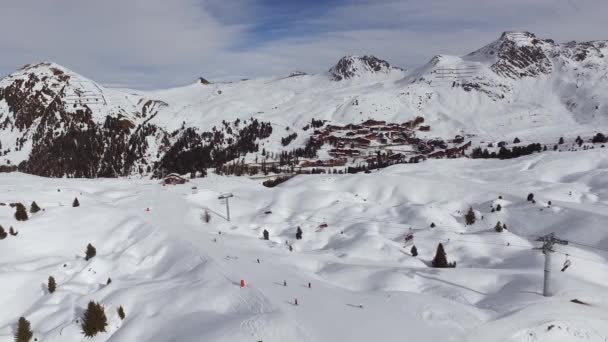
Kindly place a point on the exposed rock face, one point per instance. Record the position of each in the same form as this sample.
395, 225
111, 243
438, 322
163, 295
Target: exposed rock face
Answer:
518, 54
65, 128
354, 66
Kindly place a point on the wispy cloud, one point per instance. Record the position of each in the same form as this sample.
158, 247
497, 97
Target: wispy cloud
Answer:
155, 43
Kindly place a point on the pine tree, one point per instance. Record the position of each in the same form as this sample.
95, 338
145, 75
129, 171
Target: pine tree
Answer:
34, 208
414, 251
516, 140
432, 224
90, 252
109, 281
299, 234
266, 235
24, 331
470, 217
76, 203
13, 232
121, 313
498, 207
21, 213
3, 234
530, 197
94, 320
498, 227
440, 260
561, 140
52, 286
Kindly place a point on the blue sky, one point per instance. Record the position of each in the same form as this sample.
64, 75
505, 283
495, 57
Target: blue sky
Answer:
160, 43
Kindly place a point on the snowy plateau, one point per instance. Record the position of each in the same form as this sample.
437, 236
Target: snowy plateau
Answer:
373, 160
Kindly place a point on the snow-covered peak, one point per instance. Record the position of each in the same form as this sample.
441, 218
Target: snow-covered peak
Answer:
515, 55
356, 66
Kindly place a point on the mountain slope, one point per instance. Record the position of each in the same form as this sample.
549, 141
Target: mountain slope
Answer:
54, 122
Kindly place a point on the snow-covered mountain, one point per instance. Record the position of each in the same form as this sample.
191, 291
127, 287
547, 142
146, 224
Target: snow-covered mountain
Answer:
55, 122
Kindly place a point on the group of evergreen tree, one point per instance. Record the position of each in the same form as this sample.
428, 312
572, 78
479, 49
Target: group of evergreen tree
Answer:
196, 152
299, 234
505, 153
440, 260
11, 231
287, 140
599, 139
499, 227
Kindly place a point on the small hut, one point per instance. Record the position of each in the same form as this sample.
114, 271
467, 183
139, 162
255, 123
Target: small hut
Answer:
173, 179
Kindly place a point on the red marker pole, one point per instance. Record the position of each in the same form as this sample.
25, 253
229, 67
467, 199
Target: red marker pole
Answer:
242, 283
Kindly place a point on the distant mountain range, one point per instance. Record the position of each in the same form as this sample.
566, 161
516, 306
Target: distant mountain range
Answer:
55, 122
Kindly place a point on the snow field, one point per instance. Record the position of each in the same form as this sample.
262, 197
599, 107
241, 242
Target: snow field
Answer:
178, 278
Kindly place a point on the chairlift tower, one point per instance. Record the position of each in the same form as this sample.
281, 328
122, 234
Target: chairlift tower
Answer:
226, 197
548, 241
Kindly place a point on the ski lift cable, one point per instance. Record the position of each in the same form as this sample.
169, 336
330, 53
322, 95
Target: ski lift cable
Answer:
582, 258
586, 245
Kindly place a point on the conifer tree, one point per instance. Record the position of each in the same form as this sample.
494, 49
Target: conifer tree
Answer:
440, 260
561, 140
299, 234
94, 320
414, 251
498, 227
498, 207
52, 286
24, 331
3, 234
90, 252
76, 203
34, 208
121, 313
21, 213
530, 197
266, 235
432, 224
109, 281
470, 217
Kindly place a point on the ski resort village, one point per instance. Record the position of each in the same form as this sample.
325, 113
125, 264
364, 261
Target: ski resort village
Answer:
460, 199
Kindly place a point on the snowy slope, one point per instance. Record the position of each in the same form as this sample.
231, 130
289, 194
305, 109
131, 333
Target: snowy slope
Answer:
178, 277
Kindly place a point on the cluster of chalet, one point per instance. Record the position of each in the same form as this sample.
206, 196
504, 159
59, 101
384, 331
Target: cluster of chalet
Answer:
354, 140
